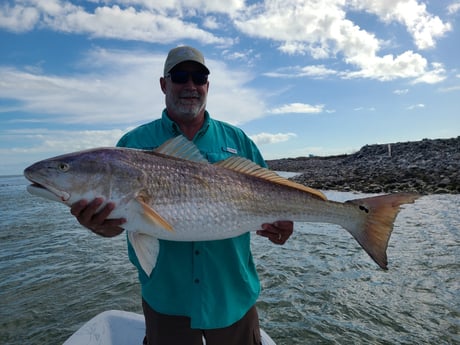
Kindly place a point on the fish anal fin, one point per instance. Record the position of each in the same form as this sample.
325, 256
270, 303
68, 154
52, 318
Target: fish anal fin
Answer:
153, 216
181, 147
245, 166
380, 213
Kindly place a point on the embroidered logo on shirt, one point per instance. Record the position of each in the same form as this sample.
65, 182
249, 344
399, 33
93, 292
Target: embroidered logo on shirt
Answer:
231, 150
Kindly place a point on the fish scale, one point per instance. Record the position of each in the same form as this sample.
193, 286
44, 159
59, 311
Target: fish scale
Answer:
173, 193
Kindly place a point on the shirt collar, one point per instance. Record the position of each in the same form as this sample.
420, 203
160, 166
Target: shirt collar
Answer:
174, 130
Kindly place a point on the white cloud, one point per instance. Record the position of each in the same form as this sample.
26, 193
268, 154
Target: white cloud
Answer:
407, 65
315, 24
433, 76
314, 71
18, 18
122, 88
187, 7
364, 109
424, 27
322, 30
229, 98
450, 88
210, 23
401, 92
248, 57
48, 141
131, 24
126, 94
416, 106
41, 143
299, 108
317, 71
453, 8
117, 22
269, 138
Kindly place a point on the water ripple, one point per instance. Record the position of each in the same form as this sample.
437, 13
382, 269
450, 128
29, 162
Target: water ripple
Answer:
319, 288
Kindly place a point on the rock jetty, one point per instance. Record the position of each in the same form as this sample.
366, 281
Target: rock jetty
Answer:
428, 166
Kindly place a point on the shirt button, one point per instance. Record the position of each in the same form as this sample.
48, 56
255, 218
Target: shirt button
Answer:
197, 281
197, 252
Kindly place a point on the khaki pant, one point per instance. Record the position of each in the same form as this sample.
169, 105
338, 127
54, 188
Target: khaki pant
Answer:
175, 330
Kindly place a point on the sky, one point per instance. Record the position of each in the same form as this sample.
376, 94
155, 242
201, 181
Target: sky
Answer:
299, 77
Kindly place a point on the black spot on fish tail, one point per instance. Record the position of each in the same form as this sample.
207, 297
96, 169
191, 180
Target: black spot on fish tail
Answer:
364, 208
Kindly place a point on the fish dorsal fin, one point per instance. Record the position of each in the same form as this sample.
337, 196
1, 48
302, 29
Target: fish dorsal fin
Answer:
245, 166
181, 147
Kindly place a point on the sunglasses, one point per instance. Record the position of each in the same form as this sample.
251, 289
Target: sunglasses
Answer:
182, 77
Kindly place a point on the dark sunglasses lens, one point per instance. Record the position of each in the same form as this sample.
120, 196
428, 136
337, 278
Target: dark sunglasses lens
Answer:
199, 78
181, 77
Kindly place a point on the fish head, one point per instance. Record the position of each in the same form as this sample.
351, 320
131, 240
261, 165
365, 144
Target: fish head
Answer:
101, 172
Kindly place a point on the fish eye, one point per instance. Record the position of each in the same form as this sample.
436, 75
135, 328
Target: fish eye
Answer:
63, 167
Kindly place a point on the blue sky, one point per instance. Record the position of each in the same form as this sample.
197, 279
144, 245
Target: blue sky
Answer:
299, 77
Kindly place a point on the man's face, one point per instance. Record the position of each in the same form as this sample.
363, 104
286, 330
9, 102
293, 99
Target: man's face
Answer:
185, 93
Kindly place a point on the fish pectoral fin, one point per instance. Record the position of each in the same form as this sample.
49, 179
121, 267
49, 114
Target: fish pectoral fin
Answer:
146, 248
245, 166
153, 216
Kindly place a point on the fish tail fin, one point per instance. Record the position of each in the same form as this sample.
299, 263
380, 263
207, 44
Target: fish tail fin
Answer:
374, 233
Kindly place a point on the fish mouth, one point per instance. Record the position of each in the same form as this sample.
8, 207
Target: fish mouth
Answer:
48, 192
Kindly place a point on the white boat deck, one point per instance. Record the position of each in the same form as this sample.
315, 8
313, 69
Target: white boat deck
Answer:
117, 327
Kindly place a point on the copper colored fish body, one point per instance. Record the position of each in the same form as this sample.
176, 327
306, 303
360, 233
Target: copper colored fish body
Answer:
173, 193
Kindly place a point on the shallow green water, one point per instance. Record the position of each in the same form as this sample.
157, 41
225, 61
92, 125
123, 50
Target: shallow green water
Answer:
320, 288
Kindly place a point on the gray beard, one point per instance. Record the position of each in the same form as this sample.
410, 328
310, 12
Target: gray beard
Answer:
186, 111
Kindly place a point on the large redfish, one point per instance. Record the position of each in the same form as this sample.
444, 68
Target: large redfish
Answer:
173, 193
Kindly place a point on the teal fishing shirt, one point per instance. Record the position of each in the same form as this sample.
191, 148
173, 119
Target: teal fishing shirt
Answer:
213, 282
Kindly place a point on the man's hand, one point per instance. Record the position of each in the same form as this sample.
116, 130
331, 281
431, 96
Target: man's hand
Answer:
278, 232
87, 215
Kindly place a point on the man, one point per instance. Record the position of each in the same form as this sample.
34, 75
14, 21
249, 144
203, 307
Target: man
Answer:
197, 289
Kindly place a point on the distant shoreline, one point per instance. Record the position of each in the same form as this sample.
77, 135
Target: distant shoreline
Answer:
429, 166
